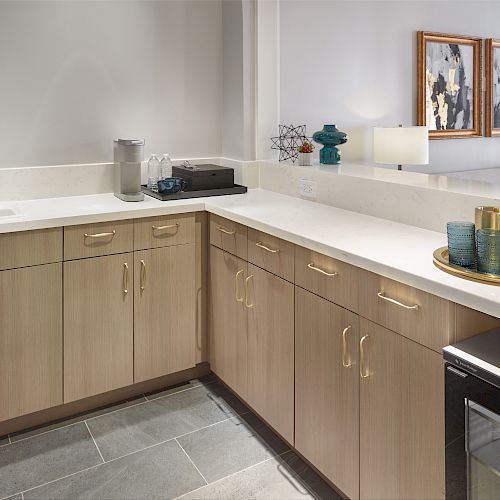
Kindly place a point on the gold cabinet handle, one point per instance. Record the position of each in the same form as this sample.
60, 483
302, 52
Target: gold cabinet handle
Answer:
362, 369
143, 275
267, 249
393, 301
345, 364
247, 293
162, 228
100, 235
222, 229
314, 268
125, 278
237, 287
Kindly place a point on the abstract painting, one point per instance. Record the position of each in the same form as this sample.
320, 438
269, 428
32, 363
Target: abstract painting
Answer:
492, 87
449, 85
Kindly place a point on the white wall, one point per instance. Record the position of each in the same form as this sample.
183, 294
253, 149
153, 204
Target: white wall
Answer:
353, 63
76, 74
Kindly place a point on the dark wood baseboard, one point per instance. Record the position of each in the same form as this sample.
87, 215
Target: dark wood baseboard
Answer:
101, 400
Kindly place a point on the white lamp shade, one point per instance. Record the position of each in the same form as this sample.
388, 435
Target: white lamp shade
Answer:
401, 145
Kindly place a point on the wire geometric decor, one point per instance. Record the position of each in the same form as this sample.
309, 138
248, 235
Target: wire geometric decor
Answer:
289, 139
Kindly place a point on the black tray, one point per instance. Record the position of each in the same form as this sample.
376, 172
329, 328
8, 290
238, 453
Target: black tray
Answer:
184, 195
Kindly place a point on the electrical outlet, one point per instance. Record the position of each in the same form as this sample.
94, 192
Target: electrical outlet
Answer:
307, 188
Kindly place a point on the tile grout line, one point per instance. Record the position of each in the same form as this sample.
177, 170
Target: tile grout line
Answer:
22, 495
190, 459
118, 458
107, 413
92, 436
234, 473
211, 425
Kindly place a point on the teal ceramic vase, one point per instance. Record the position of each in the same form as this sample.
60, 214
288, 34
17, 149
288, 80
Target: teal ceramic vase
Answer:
330, 137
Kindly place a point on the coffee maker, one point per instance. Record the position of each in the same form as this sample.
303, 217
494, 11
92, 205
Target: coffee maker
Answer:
128, 155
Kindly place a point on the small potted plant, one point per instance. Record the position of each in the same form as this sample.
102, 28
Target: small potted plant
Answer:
305, 152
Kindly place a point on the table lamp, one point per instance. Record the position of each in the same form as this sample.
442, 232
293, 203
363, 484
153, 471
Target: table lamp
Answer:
401, 145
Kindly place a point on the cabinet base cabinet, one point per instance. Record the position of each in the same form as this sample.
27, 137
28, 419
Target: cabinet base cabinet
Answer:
30, 340
164, 311
401, 418
270, 301
327, 389
98, 325
228, 320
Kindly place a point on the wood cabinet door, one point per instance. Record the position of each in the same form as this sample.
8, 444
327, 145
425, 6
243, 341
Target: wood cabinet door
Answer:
98, 325
327, 389
164, 311
401, 417
30, 340
228, 319
270, 305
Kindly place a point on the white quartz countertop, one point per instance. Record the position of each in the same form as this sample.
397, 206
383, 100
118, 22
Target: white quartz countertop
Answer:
397, 251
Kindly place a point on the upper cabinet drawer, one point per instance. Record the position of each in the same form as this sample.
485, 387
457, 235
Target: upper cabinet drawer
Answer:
415, 314
228, 235
164, 231
91, 240
30, 248
330, 278
271, 253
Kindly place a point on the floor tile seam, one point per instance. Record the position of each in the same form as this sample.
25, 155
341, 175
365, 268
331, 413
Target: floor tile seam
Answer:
274, 457
95, 444
210, 425
121, 456
88, 468
192, 462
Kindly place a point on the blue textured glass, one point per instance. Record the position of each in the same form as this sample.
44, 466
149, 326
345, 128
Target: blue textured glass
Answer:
488, 251
171, 185
461, 243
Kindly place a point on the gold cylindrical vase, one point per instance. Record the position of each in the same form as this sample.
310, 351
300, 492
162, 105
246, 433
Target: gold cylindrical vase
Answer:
488, 218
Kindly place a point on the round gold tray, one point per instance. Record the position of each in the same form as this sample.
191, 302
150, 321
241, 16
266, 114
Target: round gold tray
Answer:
442, 262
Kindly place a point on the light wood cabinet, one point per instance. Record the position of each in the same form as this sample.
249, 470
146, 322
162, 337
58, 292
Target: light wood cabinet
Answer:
30, 340
228, 235
164, 311
165, 230
401, 417
103, 238
270, 305
98, 325
271, 253
327, 277
228, 319
418, 315
327, 389
31, 248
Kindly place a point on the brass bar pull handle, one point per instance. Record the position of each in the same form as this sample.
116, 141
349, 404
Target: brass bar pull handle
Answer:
161, 228
100, 235
237, 287
362, 369
143, 275
314, 268
267, 249
125, 278
396, 302
248, 304
345, 363
222, 229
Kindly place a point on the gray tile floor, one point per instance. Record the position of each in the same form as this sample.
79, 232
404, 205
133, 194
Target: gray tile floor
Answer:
195, 441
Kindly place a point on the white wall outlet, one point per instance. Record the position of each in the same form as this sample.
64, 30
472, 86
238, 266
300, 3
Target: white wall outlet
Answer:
308, 188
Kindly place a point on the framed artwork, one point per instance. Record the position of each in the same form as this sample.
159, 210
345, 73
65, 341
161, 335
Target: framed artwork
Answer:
450, 85
492, 87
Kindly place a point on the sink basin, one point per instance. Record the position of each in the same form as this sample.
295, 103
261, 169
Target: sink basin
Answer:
7, 212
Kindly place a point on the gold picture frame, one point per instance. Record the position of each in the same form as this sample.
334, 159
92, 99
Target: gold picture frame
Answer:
435, 94
492, 94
